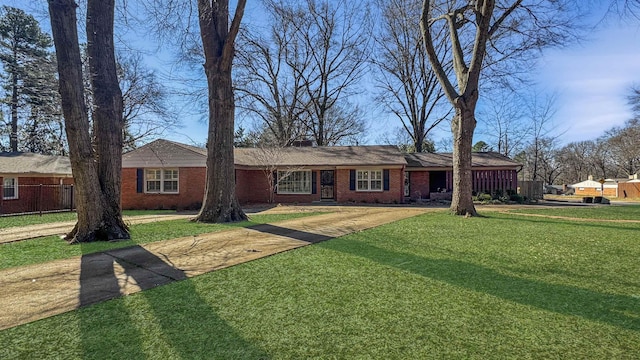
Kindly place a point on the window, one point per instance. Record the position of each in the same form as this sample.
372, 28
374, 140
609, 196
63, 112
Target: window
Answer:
161, 181
369, 180
294, 182
10, 188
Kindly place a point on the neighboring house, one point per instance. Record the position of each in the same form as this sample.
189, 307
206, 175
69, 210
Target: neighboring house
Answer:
33, 182
167, 174
430, 176
622, 188
591, 187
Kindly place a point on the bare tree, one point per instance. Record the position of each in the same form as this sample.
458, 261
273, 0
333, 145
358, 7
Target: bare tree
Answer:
505, 125
479, 31
96, 173
408, 88
623, 142
144, 102
634, 99
539, 114
327, 50
220, 203
268, 157
625, 8
268, 86
576, 159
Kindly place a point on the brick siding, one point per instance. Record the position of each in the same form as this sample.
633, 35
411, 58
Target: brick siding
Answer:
419, 185
589, 191
395, 194
191, 183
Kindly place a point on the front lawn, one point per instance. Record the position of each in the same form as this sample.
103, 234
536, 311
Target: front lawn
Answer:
35, 219
602, 212
434, 286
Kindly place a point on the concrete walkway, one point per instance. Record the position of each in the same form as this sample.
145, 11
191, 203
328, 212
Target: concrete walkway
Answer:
38, 291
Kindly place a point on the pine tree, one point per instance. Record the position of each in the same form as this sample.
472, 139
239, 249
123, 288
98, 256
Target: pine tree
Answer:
23, 50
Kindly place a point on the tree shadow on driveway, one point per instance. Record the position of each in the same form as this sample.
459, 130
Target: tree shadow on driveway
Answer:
189, 326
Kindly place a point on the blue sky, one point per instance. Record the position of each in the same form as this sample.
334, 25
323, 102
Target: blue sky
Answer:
591, 81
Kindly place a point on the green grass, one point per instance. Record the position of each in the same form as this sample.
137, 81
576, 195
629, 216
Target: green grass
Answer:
604, 212
50, 248
434, 286
24, 220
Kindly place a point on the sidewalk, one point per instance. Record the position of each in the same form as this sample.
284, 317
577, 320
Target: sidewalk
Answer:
38, 291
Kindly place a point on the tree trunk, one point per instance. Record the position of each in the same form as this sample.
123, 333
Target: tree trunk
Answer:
107, 109
220, 203
13, 137
462, 128
95, 219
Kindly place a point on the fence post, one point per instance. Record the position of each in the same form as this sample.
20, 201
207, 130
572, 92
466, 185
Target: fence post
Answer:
71, 202
40, 199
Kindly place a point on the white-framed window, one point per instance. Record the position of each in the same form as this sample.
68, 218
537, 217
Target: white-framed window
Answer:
368, 180
294, 182
10, 188
161, 181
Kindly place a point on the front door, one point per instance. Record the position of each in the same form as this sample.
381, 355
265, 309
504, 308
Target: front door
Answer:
326, 184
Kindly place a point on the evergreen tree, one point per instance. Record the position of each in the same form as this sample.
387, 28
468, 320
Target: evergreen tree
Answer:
23, 52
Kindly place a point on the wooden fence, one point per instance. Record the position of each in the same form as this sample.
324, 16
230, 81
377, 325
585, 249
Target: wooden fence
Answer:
533, 190
629, 190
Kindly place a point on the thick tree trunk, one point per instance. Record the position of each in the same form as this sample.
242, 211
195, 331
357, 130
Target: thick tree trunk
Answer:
220, 203
107, 110
462, 128
95, 220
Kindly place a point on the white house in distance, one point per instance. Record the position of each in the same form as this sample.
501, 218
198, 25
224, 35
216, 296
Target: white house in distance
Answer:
618, 188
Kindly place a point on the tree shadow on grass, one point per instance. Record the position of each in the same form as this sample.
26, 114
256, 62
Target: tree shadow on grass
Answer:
580, 224
187, 322
618, 310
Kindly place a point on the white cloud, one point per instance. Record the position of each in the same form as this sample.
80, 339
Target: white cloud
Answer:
593, 81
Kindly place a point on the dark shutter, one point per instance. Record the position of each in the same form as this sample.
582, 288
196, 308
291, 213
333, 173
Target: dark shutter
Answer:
385, 179
314, 182
352, 180
275, 182
140, 180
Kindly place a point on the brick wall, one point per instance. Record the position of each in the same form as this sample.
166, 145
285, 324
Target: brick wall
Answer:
588, 191
191, 185
253, 187
395, 194
419, 185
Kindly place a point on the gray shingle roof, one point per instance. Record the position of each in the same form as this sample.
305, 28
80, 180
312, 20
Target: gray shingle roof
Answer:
36, 164
165, 153
321, 156
478, 159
